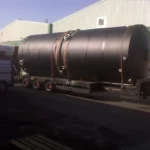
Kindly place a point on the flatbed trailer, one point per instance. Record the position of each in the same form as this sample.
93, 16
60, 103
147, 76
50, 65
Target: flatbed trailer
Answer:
52, 84
139, 91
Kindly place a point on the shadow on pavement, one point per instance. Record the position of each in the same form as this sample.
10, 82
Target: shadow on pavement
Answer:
20, 118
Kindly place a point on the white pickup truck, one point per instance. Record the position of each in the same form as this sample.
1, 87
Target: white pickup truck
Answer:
6, 77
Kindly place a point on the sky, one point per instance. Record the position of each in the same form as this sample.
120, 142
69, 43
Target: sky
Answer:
39, 10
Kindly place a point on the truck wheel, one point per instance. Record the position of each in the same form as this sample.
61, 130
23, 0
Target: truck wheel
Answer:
36, 84
3, 87
49, 86
26, 83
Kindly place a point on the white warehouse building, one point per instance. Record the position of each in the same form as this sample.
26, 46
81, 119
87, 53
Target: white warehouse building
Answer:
102, 14
107, 13
20, 29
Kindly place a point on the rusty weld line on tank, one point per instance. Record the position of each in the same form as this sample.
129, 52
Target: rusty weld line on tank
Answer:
57, 48
64, 56
65, 52
54, 50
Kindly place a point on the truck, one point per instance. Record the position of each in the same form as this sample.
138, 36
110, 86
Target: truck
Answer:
6, 77
6, 67
86, 61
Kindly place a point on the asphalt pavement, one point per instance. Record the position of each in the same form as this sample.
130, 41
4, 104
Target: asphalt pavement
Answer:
80, 123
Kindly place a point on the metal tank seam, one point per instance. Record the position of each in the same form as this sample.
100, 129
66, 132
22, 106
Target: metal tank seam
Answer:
87, 48
65, 51
64, 57
53, 49
121, 55
56, 50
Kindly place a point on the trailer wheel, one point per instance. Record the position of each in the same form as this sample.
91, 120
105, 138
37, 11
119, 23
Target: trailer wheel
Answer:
36, 84
25, 82
49, 86
3, 86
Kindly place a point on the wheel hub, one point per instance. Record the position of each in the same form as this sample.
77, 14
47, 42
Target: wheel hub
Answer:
49, 86
37, 84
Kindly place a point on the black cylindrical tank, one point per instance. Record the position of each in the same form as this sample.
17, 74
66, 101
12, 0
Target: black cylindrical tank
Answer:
93, 55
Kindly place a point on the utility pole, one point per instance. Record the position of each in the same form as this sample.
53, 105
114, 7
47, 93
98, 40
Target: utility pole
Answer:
46, 20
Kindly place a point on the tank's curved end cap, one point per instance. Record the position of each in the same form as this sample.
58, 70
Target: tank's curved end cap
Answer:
141, 32
141, 28
139, 50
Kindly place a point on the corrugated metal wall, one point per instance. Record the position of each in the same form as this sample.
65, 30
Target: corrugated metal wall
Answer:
116, 13
20, 29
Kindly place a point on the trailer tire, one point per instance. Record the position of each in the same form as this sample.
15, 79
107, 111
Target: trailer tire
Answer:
49, 86
26, 82
36, 84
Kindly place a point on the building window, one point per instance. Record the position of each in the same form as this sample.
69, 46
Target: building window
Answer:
101, 22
